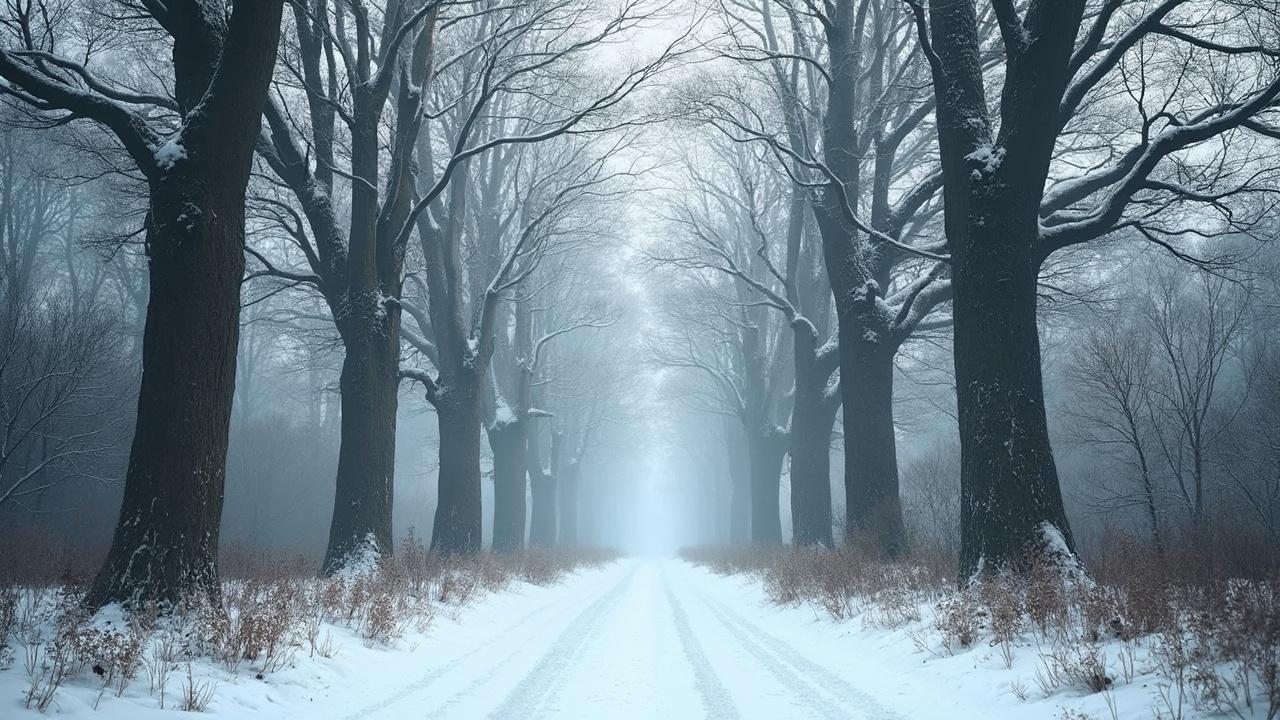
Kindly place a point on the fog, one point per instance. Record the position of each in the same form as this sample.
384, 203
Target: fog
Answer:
660, 295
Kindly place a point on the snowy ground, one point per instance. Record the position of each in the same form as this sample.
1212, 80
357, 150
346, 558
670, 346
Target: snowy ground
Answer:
636, 639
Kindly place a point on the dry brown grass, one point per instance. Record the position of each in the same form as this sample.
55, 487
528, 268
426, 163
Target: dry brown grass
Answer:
274, 610
1205, 623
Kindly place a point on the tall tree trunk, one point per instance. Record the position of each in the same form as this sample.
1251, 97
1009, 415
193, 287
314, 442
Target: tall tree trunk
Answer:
508, 441
165, 545
1011, 506
873, 509
812, 421
367, 454
813, 416
766, 451
542, 479
739, 484
1009, 483
568, 502
1148, 487
457, 522
360, 273
542, 520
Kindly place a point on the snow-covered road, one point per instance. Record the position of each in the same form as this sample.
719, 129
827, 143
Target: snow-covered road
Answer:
643, 639
639, 638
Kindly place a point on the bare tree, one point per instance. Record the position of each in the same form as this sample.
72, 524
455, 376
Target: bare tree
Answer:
193, 151
1112, 374
733, 347
589, 382
59, 399
1249, 455
521, 82
931, 498
1197, 326
1059, 62
558, 193
363, 71
848, 120
735, 225
32, 208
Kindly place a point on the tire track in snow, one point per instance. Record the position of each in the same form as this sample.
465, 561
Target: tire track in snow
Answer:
503, 636
550, 672
785, 675
716, 700
777, 655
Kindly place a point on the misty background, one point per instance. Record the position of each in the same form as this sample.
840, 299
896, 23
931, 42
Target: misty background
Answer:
639, 380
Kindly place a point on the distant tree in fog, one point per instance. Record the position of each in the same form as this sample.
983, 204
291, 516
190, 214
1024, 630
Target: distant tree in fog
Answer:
60, 395
1112, 373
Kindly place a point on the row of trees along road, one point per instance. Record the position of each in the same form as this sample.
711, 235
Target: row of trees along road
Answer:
943, 156
484, 129
856, 175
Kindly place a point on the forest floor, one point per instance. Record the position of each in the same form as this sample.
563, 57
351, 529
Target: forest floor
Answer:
637, 638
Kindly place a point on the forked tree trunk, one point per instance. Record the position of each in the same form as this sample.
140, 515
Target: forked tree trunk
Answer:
767, 449
873, 510
508, 441
367, 455
165, 545
457, 521
359, 272
1011, 507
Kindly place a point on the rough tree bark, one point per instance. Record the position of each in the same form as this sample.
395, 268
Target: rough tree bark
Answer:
874, 510
457, 519
1011, 503
368, 387
165, 544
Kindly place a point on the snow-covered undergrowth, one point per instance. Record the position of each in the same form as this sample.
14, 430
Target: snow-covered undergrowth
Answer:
1160, 643
280, 622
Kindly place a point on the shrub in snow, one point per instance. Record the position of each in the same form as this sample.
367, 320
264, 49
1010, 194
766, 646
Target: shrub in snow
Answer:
1207, 643
263, 624
274, 615
196, 694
